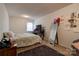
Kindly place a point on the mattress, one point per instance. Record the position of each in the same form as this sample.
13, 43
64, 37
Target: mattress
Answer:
26, 39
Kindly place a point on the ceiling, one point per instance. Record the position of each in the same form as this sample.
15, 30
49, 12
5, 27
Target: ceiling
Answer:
34, 10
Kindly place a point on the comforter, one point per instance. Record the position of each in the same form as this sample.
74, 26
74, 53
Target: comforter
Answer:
26, 39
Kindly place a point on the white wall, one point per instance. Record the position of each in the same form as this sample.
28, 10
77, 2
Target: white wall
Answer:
18, 24
46, 22
65, 36
4, 19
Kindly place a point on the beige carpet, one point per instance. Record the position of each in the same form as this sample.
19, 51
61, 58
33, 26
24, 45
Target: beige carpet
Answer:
58, 48
41, 51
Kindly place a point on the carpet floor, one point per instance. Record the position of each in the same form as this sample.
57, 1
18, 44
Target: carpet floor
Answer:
41, 51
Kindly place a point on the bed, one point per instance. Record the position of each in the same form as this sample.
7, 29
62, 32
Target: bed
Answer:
26, 39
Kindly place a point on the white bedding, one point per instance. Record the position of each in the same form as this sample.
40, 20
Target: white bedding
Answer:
26, 39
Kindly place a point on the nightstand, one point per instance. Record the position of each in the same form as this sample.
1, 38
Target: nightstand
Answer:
9, 51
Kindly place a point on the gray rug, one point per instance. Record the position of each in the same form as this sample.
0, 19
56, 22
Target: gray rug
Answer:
41, 51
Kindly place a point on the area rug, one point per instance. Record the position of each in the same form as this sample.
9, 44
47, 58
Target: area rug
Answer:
41, 51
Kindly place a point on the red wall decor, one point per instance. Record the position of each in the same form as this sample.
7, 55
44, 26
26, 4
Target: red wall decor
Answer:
57, 20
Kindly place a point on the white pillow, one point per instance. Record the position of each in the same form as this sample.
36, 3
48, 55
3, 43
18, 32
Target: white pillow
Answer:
11, 34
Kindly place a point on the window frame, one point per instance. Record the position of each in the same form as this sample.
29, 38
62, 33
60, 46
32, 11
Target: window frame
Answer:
28, 26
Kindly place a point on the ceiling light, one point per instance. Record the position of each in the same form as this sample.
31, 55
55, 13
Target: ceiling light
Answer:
26, 16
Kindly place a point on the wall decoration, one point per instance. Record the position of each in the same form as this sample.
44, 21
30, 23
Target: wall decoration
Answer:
73, 20
57, 21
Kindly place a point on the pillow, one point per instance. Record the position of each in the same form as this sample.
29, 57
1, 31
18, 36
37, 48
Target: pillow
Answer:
5, 33
10, 34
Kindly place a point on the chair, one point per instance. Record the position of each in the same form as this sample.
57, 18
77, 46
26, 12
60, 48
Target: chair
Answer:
39, 30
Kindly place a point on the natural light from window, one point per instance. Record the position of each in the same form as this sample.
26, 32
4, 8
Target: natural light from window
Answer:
29, 26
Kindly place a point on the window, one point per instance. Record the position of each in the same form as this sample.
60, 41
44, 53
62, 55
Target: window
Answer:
29, 26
